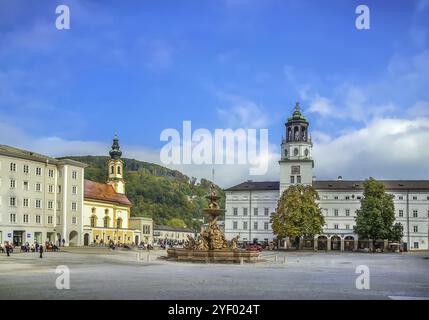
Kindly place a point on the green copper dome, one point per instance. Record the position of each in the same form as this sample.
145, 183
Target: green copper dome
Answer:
115, 153
297, 115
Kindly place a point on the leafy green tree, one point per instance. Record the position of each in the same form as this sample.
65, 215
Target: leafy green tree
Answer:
298, 214
397, 232
176, 222
376, 216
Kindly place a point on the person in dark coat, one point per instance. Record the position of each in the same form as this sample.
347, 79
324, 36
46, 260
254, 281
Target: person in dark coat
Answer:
41, 251
7, 249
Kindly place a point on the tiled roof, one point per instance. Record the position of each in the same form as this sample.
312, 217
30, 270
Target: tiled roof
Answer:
260, 185
33, 156
336, 185
104, 192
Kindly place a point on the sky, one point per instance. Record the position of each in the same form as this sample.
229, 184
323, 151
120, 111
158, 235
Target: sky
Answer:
136, 68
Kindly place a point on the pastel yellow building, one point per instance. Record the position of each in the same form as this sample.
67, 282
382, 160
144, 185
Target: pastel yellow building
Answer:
106, 212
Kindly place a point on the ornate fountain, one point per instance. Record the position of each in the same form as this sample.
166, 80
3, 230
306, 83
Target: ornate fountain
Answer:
211, 245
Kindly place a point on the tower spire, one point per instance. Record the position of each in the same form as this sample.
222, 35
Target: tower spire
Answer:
297, 107
115, 152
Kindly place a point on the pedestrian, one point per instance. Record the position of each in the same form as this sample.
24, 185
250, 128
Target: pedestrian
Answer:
64, 241
7, 249
41, 251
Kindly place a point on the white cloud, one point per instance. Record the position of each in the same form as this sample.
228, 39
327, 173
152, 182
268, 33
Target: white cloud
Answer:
385, 148
242, 113
321, 106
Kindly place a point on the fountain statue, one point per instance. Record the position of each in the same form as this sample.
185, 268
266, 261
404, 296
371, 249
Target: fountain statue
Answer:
212, 246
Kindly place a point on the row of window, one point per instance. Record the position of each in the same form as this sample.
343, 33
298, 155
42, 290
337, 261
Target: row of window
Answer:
255, 211
413, 198
26, 218
337, 212
106, 222
38, 187
38, 170
298, 179
337, 226
347, 227
97, 238
415, 213
348, 197
13, 202
245, 225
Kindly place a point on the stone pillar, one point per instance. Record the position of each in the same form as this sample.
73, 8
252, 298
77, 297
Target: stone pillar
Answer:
370, 245
355, 244
315, 243
386, 243
342, 244
328, 244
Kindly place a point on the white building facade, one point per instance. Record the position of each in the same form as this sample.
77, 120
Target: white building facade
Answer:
41, 198
249, 205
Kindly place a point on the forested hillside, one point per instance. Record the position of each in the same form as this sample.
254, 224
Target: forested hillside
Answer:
168, 196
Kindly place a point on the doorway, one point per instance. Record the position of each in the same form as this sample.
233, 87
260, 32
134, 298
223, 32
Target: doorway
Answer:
86, 239
73, 239
18, 237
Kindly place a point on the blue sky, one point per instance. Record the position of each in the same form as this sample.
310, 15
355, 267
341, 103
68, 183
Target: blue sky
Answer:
138, 67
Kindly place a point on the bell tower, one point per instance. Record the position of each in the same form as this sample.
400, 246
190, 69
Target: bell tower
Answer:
116, 167
296, 162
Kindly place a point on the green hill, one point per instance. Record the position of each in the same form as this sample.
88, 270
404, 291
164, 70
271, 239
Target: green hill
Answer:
168, 196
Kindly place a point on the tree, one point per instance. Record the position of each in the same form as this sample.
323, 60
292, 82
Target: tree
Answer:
397, 232
298, 214
377, 214
176, 222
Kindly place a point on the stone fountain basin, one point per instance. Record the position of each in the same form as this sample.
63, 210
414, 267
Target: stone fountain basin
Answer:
212, 256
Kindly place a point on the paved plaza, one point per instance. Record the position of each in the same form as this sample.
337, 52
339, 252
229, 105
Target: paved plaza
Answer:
97, 273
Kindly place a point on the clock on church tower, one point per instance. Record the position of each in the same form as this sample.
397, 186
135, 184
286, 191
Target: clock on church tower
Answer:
296, 163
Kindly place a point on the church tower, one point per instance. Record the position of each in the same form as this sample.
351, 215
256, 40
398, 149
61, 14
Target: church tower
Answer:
116, 167
296, 163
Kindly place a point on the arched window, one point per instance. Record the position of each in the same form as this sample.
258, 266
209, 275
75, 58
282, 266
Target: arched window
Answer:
119, 223
112, 170
296, 133
119, 170
93, 221
106, 222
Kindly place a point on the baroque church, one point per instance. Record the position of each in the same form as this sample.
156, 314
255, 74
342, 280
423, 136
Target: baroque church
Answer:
107, 210
249, 205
